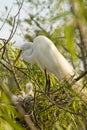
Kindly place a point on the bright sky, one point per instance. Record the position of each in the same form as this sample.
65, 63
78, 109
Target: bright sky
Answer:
4, 33
4, 3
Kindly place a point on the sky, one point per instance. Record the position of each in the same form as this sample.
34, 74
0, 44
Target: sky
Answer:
4, 3
5, 31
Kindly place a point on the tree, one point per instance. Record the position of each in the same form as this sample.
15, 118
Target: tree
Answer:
54, 105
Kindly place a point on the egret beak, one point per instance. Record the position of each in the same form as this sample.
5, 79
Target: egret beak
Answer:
18, 56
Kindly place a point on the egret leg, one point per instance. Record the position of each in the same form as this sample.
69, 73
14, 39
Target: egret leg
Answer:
47, 88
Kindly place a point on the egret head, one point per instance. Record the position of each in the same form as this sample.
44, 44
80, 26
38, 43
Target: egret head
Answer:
30, 89
27, 52
26, 46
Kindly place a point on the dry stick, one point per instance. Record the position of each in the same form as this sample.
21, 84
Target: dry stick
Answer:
18, 107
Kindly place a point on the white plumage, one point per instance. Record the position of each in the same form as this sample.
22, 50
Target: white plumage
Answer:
44, 53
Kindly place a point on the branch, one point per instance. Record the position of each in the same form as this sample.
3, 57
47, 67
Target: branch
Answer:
13, 71
81, 76
5, 66
5, 19
15, 25
65, 109
82, 27
38, 25
18, 107
56, 103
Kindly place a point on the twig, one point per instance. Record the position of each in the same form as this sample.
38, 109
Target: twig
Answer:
14, 22
18, 107
6, 19
5, 66
76, 113
59, 106
12, 69
14, 27
47, 88
81, 25
81, 76
19, 69
39, 26
34, 110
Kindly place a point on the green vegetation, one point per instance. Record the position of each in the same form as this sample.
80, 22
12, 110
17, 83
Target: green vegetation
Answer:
55, 105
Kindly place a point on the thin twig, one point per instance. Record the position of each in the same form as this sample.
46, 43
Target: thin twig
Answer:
81, 25
5, 66
18, 107
6, 19
47, 88
34, 110
21, 70
81, 76
14, 27
53, 102
12, 69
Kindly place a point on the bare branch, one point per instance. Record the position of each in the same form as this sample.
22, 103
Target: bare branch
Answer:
81, 76
13, 71
18, 107
14, 27
5, 66
6, 19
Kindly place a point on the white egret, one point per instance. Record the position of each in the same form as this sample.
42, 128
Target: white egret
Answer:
30, 89
29, 93
44, 53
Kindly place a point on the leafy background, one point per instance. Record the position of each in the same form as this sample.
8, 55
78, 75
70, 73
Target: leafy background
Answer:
59, 108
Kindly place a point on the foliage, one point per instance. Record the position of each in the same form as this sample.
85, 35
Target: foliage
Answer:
55, 105
59, 108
